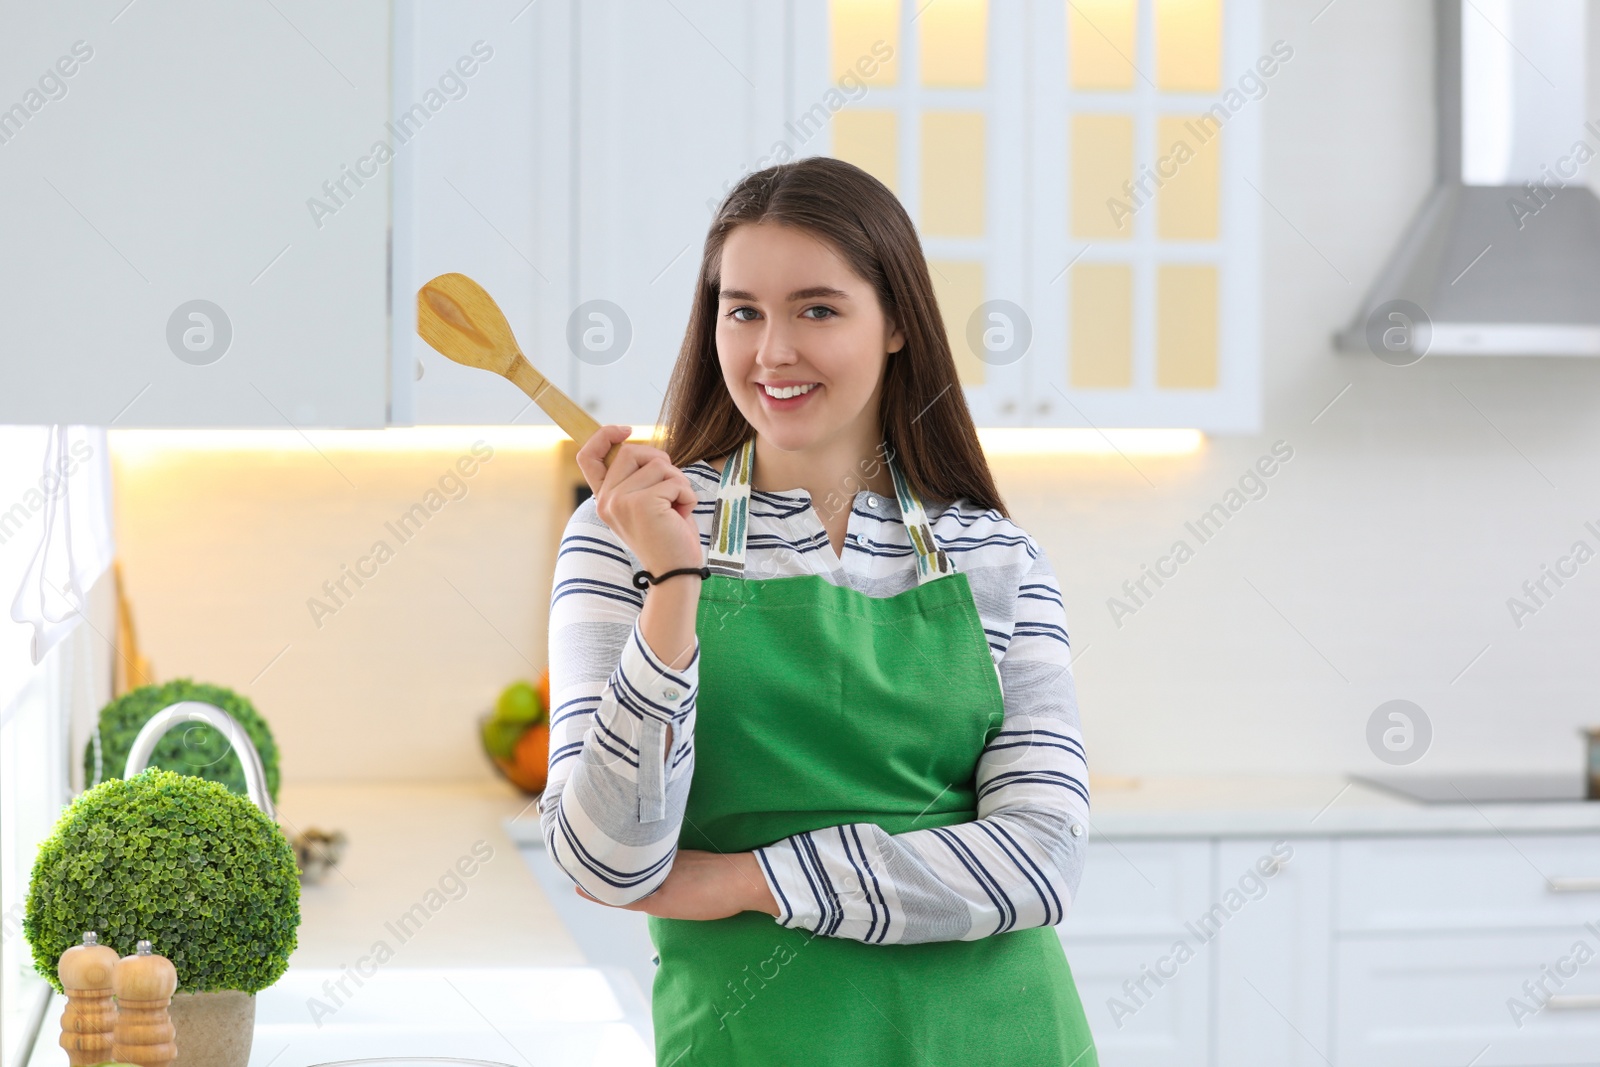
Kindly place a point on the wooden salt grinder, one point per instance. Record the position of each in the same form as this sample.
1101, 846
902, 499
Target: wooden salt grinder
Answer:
86, 1022
144, 984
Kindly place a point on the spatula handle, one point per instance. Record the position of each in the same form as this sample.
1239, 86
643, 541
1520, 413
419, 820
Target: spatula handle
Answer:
578, 423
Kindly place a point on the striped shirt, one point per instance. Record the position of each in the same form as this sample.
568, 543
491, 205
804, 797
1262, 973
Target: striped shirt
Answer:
614, 803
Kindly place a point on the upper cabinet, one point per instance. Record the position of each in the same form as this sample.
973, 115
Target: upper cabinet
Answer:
203, 194
577, 182
195, 208
1083, 177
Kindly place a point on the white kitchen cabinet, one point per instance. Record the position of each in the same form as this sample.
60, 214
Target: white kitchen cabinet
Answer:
674, 104
483, 191
1118, 343
1169, 1027
953, 155
1347, 949
1139, 889
1450, 947
579, 178
1209, 951
1132, 906
1413, 883
577, 182
1009, 131
198, 152
203, 209
1445, 997
1273, 1005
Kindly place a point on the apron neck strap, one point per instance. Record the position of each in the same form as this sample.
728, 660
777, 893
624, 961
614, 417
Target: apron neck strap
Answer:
729, 520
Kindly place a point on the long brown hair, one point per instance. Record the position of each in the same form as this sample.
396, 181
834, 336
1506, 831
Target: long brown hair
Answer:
923, 411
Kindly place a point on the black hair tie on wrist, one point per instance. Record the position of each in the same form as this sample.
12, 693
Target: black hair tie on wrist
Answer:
642, 579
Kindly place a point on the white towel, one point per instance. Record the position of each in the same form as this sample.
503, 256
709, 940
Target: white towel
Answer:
55, 536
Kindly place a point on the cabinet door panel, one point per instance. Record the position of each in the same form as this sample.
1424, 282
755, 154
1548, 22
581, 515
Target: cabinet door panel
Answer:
1273, 954
1468, 883
484, 191
1405, 1001
1141, 1025
674, 104
201, 152
937, 108
1139, 889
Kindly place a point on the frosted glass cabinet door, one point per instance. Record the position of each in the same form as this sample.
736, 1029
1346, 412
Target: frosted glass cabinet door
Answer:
931, 101
194, 213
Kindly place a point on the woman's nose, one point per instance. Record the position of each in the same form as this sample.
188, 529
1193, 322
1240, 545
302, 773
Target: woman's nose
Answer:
775, 349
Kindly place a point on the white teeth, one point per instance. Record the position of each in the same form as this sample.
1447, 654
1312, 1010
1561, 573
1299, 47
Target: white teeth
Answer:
788, 391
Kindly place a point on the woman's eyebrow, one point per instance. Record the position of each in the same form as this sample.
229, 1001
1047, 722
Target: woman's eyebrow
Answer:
799, 294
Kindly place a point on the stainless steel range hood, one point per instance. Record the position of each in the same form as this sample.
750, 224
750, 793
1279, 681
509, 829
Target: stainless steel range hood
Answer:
1503, 258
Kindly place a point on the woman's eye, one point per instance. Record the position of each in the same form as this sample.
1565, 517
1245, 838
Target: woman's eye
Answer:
733, 313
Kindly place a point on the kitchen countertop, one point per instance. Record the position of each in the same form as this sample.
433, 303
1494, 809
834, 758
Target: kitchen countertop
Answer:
1275, 806
1306, 805
404, 837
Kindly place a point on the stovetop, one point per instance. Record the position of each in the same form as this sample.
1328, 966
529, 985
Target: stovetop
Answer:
1483, 788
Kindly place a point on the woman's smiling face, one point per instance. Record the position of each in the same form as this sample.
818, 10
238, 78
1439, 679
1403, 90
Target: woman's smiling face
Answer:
792, 312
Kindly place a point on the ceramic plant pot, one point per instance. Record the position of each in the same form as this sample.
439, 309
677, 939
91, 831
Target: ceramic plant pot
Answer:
214, 1029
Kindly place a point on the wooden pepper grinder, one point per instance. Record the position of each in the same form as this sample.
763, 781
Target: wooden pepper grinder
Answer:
144, 984
86, 1022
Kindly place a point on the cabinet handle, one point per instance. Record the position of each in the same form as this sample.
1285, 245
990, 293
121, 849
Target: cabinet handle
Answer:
1580, 1001
1575, 885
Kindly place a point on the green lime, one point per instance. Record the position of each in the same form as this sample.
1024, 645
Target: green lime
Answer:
518, 703
500, 737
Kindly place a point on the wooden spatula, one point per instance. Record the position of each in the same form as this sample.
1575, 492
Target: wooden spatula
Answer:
463, 323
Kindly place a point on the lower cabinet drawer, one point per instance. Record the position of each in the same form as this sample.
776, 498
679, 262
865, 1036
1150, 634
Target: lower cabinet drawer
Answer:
1137, 1022
1488, 881
1459, 998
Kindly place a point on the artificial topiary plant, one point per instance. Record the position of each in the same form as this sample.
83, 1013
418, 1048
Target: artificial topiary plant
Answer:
199, 871
190, 748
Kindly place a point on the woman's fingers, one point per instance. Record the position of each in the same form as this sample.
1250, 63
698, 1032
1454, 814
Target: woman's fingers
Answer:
682, 494
651, 467
629, 495
591, 455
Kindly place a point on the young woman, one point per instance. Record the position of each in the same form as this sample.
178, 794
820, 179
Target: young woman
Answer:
812, 703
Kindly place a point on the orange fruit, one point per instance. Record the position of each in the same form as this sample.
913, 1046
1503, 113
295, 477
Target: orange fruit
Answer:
544, 692
515, 775
532, 758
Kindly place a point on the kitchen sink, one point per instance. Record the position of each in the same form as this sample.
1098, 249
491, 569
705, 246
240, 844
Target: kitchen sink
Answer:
1482, 788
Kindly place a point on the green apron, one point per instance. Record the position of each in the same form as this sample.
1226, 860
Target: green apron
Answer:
820, 706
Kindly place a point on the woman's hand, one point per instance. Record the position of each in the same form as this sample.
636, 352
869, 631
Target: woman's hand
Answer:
706, 885
644, 498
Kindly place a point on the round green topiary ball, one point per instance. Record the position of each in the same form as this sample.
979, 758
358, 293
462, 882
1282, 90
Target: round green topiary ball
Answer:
188, 748
199, 871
